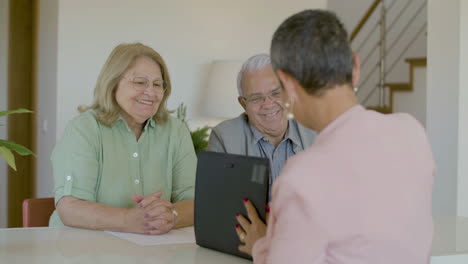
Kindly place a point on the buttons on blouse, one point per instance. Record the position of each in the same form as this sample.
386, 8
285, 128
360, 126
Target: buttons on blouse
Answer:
69, 178
135, 155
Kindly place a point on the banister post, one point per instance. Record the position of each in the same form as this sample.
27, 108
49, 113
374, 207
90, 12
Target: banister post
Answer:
382, 99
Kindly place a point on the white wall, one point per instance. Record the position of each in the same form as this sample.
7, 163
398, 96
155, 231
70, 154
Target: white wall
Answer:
447, 103
3, 106
413, 102
462, 206
349, 12
47, 89
188, 34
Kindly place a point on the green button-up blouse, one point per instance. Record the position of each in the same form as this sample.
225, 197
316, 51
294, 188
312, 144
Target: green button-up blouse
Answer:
106, 164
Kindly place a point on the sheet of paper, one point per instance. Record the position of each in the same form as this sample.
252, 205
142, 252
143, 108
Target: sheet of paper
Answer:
184, 235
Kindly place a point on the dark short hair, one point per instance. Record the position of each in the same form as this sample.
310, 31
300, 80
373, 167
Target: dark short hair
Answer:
312, 46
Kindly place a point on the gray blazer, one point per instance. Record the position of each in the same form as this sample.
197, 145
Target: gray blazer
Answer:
234, 136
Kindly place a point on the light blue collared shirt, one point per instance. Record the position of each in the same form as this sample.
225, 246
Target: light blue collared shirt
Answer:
277, 156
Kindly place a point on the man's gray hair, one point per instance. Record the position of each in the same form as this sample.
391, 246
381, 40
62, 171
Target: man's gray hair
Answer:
254, 63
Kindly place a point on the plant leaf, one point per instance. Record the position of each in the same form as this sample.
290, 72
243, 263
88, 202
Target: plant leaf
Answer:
17, 111
200, 138
7, 155
23, 151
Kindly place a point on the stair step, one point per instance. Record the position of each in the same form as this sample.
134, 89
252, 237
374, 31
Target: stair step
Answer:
399, 86
383, 110
415, 62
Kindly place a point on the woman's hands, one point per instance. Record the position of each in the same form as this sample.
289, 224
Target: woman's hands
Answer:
251, 229
151, 215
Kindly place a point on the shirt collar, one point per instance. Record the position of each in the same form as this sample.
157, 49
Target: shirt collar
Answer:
256, 135
150, 122
339, 121
121, 123
291, 134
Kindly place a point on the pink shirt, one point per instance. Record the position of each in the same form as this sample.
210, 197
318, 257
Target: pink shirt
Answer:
360, 194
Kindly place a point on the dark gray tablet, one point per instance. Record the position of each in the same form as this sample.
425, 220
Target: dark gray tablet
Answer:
223, 181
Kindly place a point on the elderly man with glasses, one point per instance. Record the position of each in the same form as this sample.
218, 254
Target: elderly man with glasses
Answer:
264, 129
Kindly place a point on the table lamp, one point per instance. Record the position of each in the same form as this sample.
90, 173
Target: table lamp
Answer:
220, 96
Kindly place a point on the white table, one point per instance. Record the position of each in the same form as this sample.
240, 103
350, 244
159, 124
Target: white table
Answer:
72, 245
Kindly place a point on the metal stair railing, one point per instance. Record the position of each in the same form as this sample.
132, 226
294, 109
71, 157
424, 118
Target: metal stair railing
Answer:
381, 45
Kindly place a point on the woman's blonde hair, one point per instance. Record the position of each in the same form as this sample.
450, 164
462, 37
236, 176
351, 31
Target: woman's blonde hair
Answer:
119, 61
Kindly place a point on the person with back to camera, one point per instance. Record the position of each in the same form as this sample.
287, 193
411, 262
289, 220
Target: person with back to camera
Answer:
124, 164
362, 192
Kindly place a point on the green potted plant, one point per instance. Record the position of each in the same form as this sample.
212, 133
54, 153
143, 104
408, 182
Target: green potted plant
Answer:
7, 147
200, 135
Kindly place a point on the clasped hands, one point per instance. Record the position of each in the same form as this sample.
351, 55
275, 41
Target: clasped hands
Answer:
151, 215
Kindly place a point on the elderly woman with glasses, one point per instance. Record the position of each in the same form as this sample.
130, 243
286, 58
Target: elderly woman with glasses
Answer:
124, 164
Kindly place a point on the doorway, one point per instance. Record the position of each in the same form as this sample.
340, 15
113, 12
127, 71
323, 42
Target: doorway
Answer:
22, 47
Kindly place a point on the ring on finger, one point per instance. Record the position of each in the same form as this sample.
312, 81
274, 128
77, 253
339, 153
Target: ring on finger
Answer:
242, 237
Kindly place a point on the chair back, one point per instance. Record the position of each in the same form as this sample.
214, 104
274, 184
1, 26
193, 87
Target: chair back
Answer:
37, 211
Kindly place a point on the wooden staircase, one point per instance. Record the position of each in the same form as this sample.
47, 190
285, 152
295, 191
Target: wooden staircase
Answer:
379, 11
401, 87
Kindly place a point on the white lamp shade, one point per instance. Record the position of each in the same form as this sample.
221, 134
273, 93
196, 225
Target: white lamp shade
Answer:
220, 97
